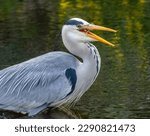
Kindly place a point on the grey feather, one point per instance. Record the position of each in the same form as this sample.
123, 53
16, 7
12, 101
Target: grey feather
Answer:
27, 86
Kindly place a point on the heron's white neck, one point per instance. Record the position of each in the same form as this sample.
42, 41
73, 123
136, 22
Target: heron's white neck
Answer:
88, 70
76, 44
77, 48
85, 50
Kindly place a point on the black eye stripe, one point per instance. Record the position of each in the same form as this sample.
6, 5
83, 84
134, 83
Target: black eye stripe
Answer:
73, 22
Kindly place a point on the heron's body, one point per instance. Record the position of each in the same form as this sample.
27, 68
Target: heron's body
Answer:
51, 79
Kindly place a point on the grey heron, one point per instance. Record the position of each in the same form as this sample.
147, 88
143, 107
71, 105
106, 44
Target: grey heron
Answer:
55, 78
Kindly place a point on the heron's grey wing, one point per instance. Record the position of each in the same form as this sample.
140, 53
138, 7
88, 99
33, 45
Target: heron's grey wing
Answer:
38, 82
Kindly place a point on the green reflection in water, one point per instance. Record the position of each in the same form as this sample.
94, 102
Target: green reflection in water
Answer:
122, 90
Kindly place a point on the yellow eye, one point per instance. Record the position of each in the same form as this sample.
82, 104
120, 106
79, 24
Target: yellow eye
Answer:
78, 26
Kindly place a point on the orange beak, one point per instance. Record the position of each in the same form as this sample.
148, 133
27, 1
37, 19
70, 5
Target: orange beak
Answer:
86, 29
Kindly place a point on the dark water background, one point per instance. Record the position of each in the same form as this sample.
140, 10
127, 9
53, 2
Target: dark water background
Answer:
29, 28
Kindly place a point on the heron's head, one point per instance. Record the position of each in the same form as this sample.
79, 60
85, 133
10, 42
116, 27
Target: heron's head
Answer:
80, 30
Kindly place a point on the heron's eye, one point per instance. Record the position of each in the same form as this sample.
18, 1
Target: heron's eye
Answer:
79, 26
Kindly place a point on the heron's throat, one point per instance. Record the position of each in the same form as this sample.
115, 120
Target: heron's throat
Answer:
78, 45
86, 51
75, 47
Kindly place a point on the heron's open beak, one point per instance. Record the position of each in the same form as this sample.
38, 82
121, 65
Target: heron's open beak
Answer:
86, 29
